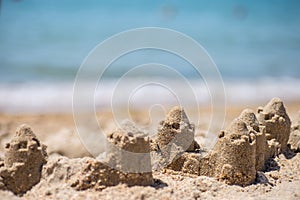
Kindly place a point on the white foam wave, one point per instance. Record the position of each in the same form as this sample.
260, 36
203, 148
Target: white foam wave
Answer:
46, 97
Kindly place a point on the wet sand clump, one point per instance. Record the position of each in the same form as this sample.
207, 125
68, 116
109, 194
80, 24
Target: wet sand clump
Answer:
23, 162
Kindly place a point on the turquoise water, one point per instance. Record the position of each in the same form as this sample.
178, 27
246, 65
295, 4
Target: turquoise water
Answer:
48, 40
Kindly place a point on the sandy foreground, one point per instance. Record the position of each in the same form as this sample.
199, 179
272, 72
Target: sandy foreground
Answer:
66, 153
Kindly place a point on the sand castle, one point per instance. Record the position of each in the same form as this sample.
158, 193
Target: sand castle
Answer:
127, 161
294, 140
241, 150
233, 158
23, 162
249, 142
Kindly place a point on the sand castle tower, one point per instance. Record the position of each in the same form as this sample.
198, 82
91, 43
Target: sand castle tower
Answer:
274, 117
176, 134
127, 161
128, 149
248, 116
24, 158
233, 158
174, 147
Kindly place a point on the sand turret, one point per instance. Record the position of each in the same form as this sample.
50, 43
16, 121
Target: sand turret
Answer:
176, 134
237, 148
127, 161
274, 117
233, 158
128, 149
23, 162
277, 123
175, 147
249, 118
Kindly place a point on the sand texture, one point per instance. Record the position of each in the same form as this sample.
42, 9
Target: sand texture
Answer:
256, 157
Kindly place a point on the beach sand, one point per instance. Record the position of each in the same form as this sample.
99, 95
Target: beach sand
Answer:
66, 157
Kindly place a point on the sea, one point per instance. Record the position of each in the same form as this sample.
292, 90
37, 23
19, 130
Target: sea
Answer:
255, 46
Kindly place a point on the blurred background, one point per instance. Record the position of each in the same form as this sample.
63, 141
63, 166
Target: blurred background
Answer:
255, 44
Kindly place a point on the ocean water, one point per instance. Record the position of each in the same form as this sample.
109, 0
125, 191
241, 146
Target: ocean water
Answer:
43, 43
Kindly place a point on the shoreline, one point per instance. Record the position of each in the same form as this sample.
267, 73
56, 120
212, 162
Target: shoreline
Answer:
43, 97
